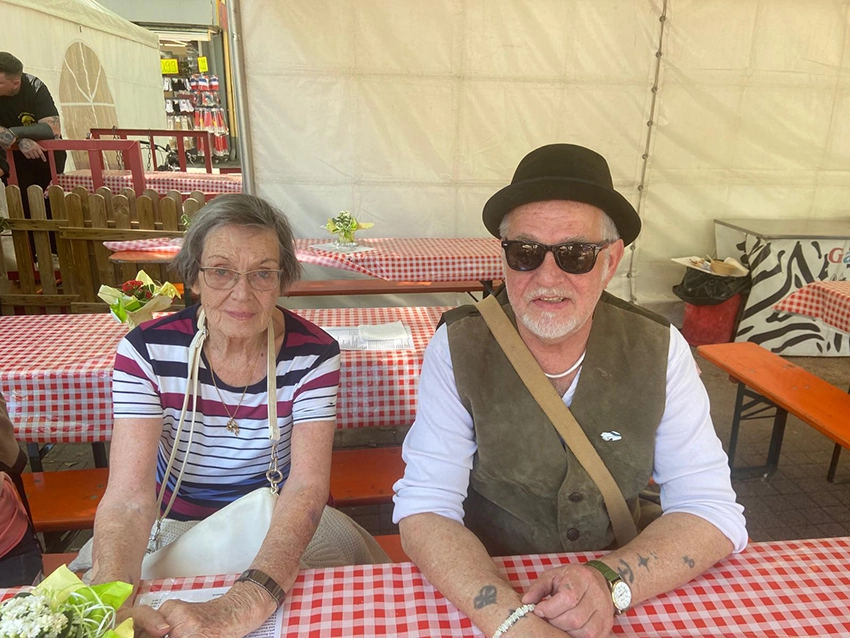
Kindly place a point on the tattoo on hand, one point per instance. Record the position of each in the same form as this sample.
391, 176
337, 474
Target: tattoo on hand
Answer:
25, 144
487, 596
688, 561
643, 562
625, 571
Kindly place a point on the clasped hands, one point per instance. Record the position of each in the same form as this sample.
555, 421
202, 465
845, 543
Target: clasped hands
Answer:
579, 601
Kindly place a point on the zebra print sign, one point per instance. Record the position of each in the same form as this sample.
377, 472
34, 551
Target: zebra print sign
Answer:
778, 268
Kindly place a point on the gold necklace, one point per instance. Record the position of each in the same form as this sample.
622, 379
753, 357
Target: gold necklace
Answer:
232, 425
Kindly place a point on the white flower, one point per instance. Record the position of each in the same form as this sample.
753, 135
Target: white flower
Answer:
30, 617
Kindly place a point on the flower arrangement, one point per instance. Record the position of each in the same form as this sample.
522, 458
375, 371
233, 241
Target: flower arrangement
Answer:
138, 299
61, 606
344, 226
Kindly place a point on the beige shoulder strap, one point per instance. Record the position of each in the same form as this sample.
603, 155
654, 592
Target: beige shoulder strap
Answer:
553, 406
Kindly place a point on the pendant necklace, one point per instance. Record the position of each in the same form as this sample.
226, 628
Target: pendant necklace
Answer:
232, 426
572, 368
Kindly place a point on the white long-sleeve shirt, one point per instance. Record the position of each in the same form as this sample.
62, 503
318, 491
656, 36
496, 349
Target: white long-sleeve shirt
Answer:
691, 467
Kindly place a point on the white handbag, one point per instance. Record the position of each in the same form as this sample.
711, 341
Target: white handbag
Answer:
227, 541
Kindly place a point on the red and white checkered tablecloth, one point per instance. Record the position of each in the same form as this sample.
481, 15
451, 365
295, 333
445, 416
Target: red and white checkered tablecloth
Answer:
424, 259
828, 301
771, 590
157, 245
160, 181
56, 372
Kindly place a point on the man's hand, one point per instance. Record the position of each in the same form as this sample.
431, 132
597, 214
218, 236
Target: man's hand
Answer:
580, 601
31, 149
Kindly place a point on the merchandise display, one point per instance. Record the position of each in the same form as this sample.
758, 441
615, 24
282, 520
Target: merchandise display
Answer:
193, 102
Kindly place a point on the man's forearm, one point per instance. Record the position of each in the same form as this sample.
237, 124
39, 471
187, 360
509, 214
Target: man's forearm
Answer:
456, 563
670, 552
54, 123
7, 138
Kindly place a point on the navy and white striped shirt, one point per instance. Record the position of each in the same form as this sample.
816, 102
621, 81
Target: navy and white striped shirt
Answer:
150, 381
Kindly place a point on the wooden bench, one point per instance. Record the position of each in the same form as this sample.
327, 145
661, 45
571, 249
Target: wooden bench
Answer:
68, 499
768, 383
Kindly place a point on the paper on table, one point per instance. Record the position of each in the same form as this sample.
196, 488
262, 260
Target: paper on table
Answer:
351, 337
272, 628
382, 332
338, 249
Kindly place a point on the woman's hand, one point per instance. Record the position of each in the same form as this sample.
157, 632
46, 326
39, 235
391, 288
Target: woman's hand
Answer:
147, 621
243, 609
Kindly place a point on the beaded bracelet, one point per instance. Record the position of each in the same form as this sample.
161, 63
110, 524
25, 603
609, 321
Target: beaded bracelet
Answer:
511, 620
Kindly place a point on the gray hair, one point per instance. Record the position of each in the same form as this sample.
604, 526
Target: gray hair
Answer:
238, 210
609, 228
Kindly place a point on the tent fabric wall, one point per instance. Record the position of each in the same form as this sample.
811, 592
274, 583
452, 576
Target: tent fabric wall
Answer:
43, 31
411, 114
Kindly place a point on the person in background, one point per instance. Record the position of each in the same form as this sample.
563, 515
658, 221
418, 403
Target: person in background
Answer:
27, 114
20, 552
488, 474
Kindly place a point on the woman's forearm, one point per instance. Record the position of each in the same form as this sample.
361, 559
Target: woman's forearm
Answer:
121, 533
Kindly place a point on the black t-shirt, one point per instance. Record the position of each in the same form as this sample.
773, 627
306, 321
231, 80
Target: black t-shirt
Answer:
31, 104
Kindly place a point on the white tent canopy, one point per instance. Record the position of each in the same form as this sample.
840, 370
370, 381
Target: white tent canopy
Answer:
411, 114
101, 69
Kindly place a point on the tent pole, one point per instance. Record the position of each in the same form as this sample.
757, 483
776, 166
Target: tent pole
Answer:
237, 69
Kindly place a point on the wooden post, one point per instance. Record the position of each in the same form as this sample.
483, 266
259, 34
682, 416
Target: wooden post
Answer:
56, 195
121, 210
103, 269
41, 239
79, 248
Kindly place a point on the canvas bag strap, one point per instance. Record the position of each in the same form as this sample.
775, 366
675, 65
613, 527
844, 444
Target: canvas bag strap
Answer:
559, 414
272, 474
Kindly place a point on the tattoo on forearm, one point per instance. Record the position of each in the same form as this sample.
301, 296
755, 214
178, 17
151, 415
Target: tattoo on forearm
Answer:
643, 562
487, 596
688, 561
53, 122
7, 138
625, 571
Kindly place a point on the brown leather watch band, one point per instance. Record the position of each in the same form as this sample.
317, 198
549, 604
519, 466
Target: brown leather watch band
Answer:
265, 581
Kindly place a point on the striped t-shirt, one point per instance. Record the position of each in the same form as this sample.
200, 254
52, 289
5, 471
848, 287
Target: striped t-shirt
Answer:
150, 380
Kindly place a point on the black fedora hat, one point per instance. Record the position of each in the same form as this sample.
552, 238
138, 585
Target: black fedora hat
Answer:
563, 171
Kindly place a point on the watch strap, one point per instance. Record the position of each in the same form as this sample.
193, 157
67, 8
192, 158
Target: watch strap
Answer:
610, 575
262, 579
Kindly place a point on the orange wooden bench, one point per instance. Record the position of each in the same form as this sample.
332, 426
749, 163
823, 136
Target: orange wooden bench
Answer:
67, 499
768, 382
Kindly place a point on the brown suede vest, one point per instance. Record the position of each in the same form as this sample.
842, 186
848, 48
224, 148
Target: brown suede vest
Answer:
527, 494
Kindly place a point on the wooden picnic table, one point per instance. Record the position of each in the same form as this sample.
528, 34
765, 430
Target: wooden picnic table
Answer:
780, 588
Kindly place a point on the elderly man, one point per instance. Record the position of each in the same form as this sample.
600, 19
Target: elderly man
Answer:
487, 474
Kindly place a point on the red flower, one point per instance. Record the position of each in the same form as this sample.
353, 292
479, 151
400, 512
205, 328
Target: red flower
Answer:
130, 287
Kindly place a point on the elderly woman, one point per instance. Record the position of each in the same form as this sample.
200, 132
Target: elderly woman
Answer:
237, 257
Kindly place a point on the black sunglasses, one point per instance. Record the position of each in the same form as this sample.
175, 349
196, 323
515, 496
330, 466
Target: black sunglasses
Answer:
576, 258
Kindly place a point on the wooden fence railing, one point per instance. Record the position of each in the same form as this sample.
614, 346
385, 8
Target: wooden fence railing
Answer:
81, 222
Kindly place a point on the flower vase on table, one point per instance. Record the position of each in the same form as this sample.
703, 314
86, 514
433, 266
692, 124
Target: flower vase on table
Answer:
344, 226
138, 299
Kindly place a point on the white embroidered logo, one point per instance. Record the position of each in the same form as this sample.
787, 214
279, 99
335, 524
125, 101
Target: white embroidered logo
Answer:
613, 435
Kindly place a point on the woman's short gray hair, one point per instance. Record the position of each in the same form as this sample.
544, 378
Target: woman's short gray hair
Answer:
237, 210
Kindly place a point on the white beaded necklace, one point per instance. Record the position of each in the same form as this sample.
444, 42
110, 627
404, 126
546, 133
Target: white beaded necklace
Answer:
572, 368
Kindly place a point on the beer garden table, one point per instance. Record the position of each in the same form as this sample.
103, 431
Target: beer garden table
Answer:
771, 590
160, 181
56, 372
828, 301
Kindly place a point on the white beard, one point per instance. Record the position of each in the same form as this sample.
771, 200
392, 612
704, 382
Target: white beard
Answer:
550, 326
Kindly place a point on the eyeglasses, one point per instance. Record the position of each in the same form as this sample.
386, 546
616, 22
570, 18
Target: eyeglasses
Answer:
576, 258
225, 278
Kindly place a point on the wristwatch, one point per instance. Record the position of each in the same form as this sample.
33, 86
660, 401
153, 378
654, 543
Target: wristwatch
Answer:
621, 593
265, 581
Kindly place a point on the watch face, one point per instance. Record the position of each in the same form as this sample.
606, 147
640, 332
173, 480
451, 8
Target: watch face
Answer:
622, 595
